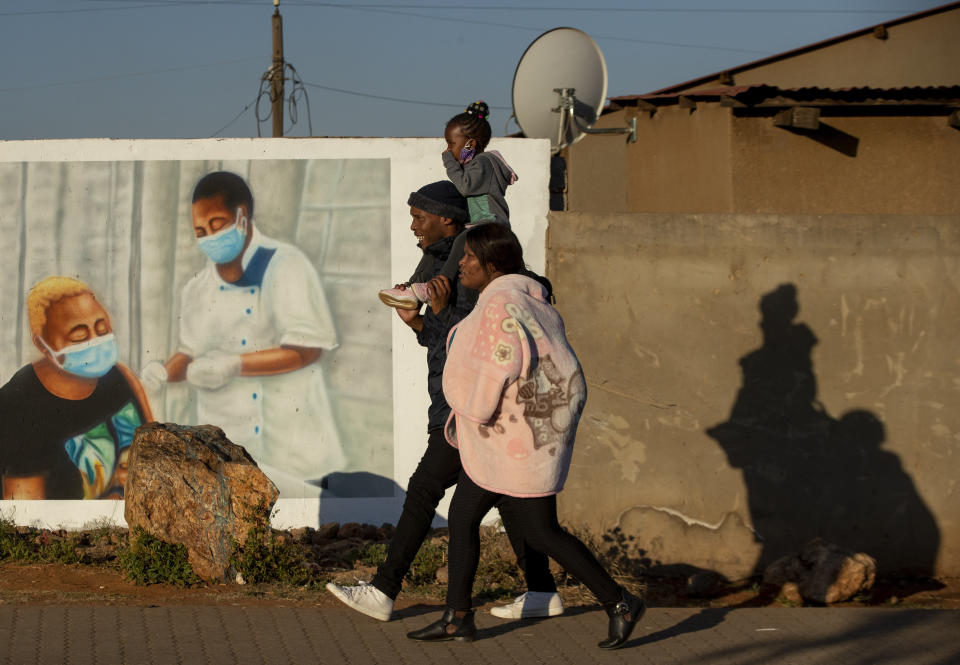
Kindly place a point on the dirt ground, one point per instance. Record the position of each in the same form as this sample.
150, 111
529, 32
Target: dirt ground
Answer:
57, 584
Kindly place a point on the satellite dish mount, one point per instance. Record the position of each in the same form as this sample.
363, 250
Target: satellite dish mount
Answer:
572, 110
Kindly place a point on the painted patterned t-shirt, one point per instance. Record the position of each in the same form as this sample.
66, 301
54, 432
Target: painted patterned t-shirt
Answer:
77, 445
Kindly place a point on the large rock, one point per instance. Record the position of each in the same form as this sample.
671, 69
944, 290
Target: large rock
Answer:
192, 486
824, 572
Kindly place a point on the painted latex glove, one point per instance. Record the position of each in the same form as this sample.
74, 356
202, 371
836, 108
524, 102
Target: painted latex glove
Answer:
153, 376
213, 370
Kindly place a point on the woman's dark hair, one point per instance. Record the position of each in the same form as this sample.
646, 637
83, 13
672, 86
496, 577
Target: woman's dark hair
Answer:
230, 186
496, 245
474, 123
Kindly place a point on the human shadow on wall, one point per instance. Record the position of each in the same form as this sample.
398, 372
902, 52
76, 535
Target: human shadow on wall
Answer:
809, 474
357, 484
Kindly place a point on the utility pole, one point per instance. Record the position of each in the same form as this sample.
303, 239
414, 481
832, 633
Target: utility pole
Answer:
276, 88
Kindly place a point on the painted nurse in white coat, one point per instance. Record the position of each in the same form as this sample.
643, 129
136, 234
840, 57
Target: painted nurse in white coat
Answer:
253, 324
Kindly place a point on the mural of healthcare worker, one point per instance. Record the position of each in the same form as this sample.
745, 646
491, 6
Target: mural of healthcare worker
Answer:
252, 325
68, 419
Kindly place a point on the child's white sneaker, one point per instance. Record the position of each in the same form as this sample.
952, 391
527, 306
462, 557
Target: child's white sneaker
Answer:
421, 291
400, 298
364, 598
530, 605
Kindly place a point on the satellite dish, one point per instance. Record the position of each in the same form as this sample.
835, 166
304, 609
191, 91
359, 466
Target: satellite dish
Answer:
559, 88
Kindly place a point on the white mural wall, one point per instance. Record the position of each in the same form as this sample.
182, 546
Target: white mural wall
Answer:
116, 214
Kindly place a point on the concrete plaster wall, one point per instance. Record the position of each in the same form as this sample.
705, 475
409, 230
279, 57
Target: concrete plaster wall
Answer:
681, 161
922, 52
758, 380
877, 165
710, 159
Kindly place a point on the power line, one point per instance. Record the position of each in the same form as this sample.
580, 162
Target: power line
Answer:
381, 8
401, 100
87, 10
299, 90
637, 10
236, 117
393, 10
122, 5
125, 76
513, 26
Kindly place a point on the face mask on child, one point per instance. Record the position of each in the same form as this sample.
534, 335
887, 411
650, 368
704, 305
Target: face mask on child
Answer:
466, 155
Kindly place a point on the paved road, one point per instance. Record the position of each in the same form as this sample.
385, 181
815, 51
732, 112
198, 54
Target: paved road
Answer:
227, 635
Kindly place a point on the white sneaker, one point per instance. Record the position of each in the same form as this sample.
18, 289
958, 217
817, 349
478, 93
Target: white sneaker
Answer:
529, 605
364, 598
405, 298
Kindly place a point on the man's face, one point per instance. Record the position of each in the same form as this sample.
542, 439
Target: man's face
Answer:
212, 215
75, 319
428, 228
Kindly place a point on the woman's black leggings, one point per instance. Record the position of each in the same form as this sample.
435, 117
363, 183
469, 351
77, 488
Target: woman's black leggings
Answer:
533, 519
439, 469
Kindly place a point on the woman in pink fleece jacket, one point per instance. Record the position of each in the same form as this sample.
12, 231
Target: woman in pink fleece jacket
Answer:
516, 392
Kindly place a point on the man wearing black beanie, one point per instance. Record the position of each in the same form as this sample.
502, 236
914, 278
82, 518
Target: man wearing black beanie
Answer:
438, 213
438, 199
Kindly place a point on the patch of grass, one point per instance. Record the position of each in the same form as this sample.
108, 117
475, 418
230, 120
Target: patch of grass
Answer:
149, 560
497, 572
266, 556
13, 545
428, 561
103, 530
371, 554
33, 545
59, 551
788, 602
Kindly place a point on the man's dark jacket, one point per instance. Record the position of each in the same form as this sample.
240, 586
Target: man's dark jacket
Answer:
433, 335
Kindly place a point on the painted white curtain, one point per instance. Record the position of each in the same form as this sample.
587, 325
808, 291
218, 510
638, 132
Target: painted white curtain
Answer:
124, 228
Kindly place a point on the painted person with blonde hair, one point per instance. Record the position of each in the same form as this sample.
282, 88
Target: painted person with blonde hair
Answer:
68, 418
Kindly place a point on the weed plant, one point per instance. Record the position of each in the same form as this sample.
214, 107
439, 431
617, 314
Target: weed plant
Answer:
497, 573
428, 561
266, 556
35, 546
423, 570
371, 554
149, 560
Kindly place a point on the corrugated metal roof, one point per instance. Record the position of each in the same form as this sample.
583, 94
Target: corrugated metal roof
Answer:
768, 95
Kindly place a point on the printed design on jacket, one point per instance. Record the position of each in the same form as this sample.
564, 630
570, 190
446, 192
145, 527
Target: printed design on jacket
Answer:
550, 411
549, 407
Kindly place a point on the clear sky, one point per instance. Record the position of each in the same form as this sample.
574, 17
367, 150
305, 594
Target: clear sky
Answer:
192, 68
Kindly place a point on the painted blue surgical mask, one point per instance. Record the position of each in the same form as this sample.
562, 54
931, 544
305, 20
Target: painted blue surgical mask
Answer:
225, 245
90, 360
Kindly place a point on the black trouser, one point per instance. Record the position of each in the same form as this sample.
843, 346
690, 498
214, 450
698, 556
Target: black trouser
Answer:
535, 520
438, 470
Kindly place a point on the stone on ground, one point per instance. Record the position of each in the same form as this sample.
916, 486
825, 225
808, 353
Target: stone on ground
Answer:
824, 572
192, 486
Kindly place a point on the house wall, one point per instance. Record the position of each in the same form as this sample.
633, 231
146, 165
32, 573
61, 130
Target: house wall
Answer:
872, 165
755, 381
920, 52
711, 159
681, 161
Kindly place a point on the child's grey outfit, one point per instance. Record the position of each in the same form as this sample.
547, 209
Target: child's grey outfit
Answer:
483, 181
